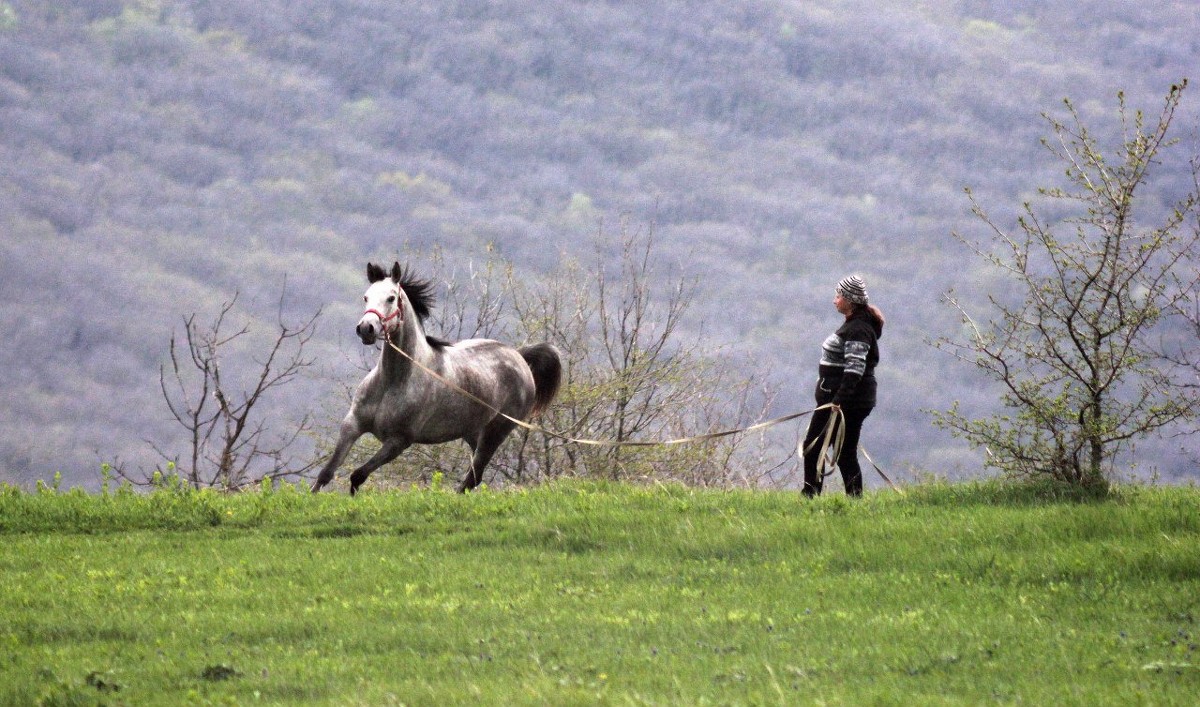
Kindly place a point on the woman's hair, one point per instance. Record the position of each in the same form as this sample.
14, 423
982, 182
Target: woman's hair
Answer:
874, 313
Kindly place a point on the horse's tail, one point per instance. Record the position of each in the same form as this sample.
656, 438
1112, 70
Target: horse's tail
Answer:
544, 361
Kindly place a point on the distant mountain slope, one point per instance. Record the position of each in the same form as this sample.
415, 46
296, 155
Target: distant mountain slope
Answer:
157, 156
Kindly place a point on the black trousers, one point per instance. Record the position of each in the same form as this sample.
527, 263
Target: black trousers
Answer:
847, 461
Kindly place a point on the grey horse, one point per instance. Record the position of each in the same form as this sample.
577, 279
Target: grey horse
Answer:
401, 405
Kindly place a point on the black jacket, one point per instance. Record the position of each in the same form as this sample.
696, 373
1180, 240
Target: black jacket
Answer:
848, 360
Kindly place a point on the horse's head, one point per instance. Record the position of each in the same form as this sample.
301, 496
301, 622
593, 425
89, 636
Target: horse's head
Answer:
391, 299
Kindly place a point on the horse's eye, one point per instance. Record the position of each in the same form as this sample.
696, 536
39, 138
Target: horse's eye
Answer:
391, 299
364, 298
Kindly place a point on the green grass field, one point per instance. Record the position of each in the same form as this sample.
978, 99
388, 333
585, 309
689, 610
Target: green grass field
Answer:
600, 594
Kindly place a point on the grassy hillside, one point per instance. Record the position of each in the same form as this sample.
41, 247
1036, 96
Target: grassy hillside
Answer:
588, 594
158, 156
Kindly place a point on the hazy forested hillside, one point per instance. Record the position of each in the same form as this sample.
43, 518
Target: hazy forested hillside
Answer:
157, 156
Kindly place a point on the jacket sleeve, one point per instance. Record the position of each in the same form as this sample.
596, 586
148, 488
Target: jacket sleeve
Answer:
855, 352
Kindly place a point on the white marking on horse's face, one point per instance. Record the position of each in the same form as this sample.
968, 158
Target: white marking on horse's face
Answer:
382, 310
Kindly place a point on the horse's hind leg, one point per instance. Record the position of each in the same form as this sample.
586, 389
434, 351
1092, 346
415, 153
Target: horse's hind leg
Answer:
489, 441
389, 451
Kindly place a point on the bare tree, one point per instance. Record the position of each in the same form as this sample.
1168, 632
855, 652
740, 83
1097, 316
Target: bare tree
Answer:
231, 444
630, 372
638, 340
1077, 357
475, 300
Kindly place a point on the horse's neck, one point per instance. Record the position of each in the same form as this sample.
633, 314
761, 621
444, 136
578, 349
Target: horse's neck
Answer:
395, 365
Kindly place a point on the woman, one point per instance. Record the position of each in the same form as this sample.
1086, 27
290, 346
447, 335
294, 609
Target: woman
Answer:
847, 381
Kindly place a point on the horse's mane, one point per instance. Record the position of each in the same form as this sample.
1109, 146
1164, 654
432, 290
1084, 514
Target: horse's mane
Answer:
418, 291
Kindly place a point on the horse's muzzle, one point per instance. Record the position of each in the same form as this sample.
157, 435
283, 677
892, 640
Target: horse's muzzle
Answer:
366, 331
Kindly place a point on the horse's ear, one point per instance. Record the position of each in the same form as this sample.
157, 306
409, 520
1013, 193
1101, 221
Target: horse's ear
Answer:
374, 273
397, 273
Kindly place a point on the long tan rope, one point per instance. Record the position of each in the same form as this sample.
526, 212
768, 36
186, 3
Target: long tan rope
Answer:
831, 440
879, 471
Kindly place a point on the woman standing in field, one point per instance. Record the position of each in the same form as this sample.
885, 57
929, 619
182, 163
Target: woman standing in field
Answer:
847, 381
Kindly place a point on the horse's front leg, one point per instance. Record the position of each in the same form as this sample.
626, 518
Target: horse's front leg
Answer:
390, 450
346, 439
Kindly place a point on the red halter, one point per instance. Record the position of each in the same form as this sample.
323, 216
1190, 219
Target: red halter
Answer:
382, 319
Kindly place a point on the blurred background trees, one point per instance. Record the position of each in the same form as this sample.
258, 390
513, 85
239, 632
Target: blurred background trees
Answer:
157, 156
